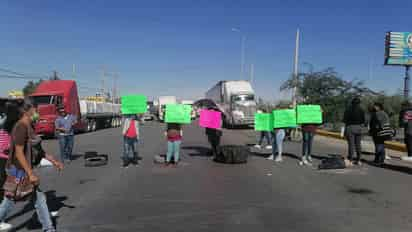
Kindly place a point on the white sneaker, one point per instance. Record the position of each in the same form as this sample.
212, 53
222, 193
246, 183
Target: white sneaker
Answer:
270, 157
406, 158
388, 157
5, 226
278, 158
309, 159
304, 161
258, 146
268, 147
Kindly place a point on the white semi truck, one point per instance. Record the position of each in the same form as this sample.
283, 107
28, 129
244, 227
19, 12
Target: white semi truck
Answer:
236, 100
162, 102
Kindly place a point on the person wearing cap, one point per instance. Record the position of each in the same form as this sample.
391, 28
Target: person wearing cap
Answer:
65, 132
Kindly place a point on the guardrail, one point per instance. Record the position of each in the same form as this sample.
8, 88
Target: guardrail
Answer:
388, 144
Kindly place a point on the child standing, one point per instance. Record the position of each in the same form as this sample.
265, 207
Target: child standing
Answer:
174, 134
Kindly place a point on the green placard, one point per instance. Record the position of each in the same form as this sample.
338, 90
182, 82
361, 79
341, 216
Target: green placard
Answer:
308, 114
284, 118
263, 122
134, 104
178, 113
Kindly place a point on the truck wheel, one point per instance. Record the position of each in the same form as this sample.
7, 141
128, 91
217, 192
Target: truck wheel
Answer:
94, 125
89, 126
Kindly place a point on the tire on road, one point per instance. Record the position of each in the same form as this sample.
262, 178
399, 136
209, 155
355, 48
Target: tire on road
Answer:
232, 154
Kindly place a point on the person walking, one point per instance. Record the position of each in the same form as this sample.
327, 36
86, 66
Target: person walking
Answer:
308, 133
131, 135
20, 169
405, 122
64, 129
379, 119
174, 135
354, 119
264, 135
8, 118
277, 146
214, 136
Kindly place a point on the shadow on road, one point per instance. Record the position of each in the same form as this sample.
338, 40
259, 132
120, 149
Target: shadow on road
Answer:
200, 151
55, 203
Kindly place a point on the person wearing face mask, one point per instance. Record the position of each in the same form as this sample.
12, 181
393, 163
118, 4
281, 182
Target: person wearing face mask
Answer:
22, 183
64, 129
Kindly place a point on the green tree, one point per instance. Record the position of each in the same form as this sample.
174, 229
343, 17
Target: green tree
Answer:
328, 89
30, 87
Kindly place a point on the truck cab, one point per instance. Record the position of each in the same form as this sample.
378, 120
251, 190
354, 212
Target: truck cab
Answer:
50, 95
242, 108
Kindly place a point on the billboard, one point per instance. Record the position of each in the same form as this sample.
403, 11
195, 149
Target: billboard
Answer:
398, 48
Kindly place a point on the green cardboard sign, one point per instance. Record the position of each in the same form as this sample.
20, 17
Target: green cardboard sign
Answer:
134, 104
308, 114
263, 122
284, 118
178, 113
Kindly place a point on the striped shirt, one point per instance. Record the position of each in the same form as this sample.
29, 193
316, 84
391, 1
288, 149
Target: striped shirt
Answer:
4, 144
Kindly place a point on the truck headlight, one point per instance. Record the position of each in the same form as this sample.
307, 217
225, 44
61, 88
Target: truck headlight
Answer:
238, 114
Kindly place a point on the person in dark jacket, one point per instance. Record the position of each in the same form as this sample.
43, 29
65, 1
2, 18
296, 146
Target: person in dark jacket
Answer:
213, 136
354, 119
405, 122
378, 119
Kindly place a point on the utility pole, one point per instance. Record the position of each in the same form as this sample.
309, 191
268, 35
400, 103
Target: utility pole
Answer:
74, 71
103, 82
406, 84
252, 73
295, 70
242, 57
114, 90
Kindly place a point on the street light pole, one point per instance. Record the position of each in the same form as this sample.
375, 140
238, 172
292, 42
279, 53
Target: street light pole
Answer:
242, 52
406, 83
242, 57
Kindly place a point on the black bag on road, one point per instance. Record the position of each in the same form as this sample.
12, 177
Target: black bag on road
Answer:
332, 162
232, 154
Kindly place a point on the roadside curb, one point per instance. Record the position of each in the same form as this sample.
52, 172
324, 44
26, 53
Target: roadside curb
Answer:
389, 144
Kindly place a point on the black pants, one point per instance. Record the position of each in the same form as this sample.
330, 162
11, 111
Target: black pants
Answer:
214, 143
354, 138
2, 176
408, 143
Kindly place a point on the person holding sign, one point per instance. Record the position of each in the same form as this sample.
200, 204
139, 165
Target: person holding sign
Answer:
214, 135
283, 119
130, 140
309, 116
264, 135
174, 134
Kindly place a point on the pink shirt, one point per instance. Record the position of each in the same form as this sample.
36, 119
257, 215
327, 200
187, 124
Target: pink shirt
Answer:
131, 132
4, 144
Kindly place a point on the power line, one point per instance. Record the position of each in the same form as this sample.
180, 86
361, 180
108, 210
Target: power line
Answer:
10, 71
20, 77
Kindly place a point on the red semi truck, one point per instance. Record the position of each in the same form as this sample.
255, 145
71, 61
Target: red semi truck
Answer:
52, 94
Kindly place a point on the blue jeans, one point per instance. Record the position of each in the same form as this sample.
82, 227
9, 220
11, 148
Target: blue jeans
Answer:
66, 146
307, 143
130, 151
264, 135
379, 149
41, 209
173, 148
277, 146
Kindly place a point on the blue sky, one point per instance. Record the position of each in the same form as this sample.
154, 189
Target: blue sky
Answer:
183, 47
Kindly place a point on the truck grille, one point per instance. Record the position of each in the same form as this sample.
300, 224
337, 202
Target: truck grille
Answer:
249, 111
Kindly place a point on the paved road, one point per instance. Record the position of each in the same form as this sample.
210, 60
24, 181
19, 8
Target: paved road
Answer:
201, 195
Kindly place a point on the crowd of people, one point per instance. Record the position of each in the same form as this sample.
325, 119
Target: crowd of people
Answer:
21, 150
358, 123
